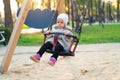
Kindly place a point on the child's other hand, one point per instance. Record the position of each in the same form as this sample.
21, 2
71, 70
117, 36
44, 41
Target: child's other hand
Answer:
66, 33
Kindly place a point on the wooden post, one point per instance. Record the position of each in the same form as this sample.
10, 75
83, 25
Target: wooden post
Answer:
15, 36
61, 7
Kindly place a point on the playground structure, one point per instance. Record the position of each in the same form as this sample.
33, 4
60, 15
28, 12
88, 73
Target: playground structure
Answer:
15, 36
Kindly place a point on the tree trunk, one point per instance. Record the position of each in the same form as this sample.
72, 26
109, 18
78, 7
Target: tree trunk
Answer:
91, 5
118, 13
103, 9
96, 6
89, 19
109, 8
100, 11
72, 12
8, 14
49, 4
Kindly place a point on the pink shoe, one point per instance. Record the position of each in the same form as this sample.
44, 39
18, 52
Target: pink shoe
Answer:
52, 61
35, 58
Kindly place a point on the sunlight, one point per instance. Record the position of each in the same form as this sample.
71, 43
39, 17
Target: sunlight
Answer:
38, 3
114, 2
13, 7
1, 8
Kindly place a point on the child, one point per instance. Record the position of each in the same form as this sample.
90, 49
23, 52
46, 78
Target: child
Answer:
62, 44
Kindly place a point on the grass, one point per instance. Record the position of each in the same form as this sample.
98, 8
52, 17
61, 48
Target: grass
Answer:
30, 39
90, 34
97, 34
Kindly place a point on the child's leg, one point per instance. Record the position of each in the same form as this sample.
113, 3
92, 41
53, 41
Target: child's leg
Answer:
44, 47
58, 49
39, 54
56, 53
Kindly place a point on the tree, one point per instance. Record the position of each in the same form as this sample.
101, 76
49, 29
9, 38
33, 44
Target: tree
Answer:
8, 14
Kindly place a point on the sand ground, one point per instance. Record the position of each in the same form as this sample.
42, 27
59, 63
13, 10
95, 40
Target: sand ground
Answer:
91, 62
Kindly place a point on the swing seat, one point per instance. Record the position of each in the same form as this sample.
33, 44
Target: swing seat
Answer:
69, 52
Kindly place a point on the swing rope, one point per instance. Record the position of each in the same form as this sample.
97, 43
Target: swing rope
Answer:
53, 17
78, 28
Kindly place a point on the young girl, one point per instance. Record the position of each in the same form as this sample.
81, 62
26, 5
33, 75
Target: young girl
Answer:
62, 44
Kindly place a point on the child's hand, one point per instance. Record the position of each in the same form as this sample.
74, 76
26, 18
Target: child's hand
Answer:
47, 32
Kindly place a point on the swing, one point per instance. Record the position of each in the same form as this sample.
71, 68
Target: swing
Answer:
73, 43
67, 52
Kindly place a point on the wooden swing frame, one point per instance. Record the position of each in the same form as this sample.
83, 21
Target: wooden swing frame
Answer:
15, 36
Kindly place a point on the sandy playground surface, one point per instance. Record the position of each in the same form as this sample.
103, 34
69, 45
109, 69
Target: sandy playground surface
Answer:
91, 62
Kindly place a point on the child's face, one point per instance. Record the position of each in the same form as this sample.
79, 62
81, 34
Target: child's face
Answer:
60, 23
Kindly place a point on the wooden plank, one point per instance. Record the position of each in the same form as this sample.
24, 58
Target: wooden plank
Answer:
15, 35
